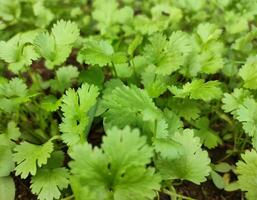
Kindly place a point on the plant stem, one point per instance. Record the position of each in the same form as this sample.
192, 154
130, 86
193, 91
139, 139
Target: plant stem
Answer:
68, 198
174, 194
114, 70
225, 117
227, 156
157, 196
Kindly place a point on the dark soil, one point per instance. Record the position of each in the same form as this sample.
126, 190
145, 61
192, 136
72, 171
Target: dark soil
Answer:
39, 67
22, 189
207, 191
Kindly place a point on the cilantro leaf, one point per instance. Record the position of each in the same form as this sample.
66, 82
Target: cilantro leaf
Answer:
17, 52
48, 183
208, 32
50, 103
30, 156
45, 45
97, 52
65, 76
76, 107
7, 188
7, 165
198, 89
132, 103
80, 192
6, 146
154, 84
186, 108
232, 102
208, 136
167, 55
117, 172
56, 46
109, 16
10, 11
12, 94
246, 168
101, 52
246, 114
207, 50
65, 32
164, 144
93, 75
248, 73
192, 164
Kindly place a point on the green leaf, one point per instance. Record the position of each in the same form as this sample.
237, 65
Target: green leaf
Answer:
119, 58
80, 192
12, 94
198, 89
207, 51
7, 138
132, 103
15, 87
93, 75
56, 46
30, 156
222, 167
246, 114
65, 32
18, 52
134, 44
113, 171
76, 107
48, 183
208, 137
12, 132
9, 52
186, 108
233, 186
162, 140
192, 164
217, 180
56, 160
7, 165
232, 102
9, 11
154, 84
249, 73
7, 188
123, 70
65, 76
167, 55
43, 15
244, 44
109, 16
45, 45
97, 52
168, 148
247, 173
173, 121
207, 32
50, 103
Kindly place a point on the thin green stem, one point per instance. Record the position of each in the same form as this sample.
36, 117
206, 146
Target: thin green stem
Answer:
174, 194
244, 143
68, 198
227, 156
225, 117
157, 196
237, 139
114, 70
